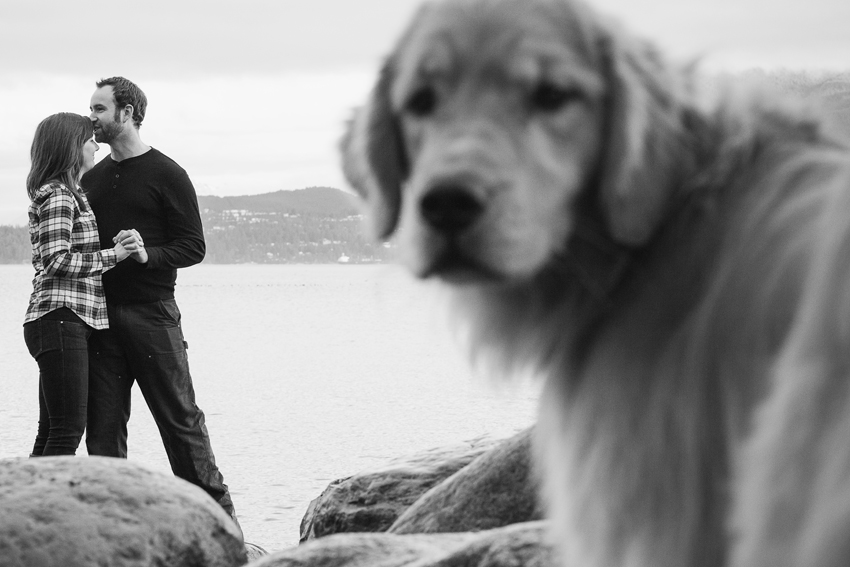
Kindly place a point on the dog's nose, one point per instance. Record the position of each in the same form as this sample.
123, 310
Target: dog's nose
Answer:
450, 208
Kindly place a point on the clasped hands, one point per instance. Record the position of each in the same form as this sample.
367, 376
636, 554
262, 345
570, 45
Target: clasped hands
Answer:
129, 243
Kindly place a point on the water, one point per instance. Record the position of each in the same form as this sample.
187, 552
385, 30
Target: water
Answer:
306, 374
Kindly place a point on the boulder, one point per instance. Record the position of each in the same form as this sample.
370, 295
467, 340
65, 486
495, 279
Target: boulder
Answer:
370, 501
254, 551
83, 511
498, 488
520, 544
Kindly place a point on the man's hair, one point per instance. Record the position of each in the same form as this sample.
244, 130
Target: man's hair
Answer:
125, 92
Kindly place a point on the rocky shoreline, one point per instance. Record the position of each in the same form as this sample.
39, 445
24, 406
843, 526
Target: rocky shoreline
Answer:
476, 501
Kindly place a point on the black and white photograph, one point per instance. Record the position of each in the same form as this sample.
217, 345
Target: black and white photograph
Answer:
553, 283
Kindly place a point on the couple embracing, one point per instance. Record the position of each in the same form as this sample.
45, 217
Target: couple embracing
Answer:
107, 241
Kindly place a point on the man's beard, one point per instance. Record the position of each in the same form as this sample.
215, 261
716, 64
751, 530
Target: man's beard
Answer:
107, 133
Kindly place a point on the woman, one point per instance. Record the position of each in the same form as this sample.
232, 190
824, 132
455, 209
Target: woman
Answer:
67, 301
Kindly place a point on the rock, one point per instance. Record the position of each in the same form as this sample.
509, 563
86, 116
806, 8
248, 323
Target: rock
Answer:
370, 501
254, 551
520, 544
480, 511
84, 511
494, 490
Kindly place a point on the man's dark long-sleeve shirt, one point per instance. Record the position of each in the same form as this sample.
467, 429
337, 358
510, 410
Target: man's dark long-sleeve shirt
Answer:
153, 195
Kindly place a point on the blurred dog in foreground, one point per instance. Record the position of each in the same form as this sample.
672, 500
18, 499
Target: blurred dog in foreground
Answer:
678, 272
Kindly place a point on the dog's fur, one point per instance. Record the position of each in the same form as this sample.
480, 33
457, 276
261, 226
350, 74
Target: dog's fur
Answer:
678, 272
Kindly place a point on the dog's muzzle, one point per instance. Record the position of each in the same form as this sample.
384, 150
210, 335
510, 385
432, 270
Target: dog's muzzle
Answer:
450, 209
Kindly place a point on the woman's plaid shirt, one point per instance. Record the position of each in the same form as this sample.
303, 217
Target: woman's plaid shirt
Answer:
66, 256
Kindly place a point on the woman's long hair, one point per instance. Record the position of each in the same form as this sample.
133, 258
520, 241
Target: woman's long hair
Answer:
57, 151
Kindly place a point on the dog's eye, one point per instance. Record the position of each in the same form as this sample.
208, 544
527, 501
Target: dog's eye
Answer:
422, 102
548, 97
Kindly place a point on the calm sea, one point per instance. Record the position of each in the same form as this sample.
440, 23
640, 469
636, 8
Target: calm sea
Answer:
306, 374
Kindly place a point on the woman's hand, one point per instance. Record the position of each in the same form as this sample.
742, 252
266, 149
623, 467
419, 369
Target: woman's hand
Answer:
131, 241
121, 253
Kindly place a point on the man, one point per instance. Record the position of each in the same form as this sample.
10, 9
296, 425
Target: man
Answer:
139, 185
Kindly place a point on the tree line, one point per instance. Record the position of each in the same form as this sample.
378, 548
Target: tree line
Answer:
317, 225
305, 238
14, 245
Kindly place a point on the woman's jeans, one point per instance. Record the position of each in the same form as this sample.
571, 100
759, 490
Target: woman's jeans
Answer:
58, 342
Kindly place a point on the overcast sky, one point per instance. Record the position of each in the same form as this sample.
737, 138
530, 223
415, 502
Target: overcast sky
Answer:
249, 96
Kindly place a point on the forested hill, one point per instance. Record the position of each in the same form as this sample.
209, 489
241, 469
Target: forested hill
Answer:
314, 200
309, 226
313, 225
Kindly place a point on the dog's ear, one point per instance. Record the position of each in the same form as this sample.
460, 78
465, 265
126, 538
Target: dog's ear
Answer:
644, 140
373, 158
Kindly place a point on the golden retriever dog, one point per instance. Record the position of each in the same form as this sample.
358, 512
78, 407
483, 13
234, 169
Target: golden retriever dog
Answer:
675, 266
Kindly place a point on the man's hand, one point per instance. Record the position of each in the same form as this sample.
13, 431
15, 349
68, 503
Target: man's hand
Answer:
132, 242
